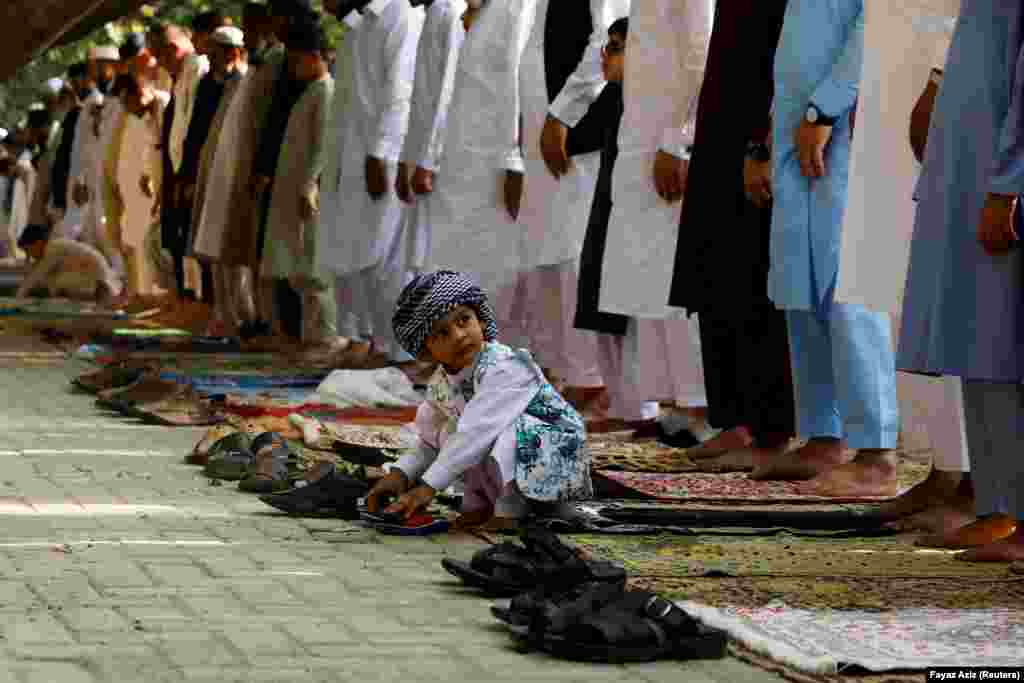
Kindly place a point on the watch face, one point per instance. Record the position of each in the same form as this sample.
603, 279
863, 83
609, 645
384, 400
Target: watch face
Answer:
811, 115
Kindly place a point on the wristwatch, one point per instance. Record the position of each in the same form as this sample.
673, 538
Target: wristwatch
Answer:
758, 151
816, 117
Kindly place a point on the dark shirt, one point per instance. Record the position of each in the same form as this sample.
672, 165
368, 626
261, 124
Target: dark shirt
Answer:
208, 97
62, 162
287, 92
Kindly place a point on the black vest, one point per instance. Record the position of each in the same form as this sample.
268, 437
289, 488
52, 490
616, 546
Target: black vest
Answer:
566, 34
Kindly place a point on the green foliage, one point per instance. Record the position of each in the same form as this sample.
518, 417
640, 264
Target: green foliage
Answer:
27, 86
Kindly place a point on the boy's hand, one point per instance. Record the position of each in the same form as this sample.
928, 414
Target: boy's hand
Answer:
670, 176
513, 193
422, 181
394, 484
402, 187
810, 142
409, 504
376, 178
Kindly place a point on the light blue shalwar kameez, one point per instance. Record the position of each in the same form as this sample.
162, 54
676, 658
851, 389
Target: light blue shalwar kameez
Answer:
843, 366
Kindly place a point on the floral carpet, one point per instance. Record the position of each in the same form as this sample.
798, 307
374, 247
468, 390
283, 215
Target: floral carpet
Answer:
737, 487
829, 641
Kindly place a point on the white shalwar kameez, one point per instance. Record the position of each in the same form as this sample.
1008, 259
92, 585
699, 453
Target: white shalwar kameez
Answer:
84, 161
902, 43
437, 58
359, 236
667, 52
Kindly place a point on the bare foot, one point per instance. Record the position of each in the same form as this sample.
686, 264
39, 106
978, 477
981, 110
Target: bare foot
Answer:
935, 491
982, 532
1009, 549
871, 474
733, 439
815, 458
939, 519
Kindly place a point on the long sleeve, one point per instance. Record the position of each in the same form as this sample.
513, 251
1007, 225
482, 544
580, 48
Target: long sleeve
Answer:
693, 22
395, 88
319, 134
433, 141
503, 393
585, 84
429, 421
516, 28
1008, 166
836, 95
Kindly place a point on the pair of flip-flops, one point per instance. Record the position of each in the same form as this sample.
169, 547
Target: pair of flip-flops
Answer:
580, 609
423, 524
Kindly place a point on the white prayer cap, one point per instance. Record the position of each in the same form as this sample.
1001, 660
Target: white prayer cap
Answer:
229, 36
105, 52
37, 106
54, 85
3, 134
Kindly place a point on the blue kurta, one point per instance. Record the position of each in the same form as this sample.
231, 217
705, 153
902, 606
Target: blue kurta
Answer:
818, 60
962, 313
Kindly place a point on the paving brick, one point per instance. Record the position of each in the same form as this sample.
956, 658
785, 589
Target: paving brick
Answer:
51, 672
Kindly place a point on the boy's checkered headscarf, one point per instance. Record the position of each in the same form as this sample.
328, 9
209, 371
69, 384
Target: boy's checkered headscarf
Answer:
430, 298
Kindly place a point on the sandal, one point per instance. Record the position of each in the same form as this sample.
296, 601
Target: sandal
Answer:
332, 495
546, 610
273, 465
113, 376
638, 627
507, 569
230, 457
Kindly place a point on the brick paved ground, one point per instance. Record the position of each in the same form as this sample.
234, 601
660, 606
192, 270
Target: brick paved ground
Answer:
119, 563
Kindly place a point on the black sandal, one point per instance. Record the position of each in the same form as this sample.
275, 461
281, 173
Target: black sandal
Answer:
553, 610
507, 569
638, 627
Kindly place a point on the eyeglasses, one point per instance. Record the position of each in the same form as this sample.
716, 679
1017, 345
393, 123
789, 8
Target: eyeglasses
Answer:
613, 49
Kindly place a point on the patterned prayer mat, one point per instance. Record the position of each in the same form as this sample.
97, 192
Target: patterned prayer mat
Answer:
779, 555
788, 673
830, 641
840, 592
637, 456
737, 487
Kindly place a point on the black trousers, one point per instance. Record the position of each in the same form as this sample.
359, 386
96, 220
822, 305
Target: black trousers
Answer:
175, 232
747, 373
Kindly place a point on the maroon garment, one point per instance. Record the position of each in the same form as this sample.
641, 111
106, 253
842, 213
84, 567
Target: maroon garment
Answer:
722, 253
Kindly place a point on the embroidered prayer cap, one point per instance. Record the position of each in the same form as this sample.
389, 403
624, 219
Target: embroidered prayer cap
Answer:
432, 296
107, 53
228, 36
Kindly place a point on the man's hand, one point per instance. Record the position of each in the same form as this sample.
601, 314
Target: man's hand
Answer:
411, 503
670, 176
258, 185
402, 186
391, 486
921, 120
80, 194
810, 148
309, 205
147, 186
513, 193
996, 232
552, 146
757, 182
376, 178
422, 181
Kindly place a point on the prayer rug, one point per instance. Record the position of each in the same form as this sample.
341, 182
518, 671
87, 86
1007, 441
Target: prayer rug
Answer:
637, 456
737, 487
322, 412
386, 437
829, 641
761, 661
883, 557
839, 592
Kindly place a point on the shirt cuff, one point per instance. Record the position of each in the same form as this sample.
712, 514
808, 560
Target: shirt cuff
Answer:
568, 111
414, 463
831, 99
438, 478
387, 149
514, 162
674, 142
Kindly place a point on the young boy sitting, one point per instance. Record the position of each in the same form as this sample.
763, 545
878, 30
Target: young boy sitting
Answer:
67, 269
490, 414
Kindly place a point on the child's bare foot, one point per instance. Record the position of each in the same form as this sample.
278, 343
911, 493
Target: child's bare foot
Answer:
980, 533
817, 457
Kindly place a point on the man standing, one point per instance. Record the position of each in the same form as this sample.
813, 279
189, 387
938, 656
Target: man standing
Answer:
361, 221
843, 367
721, 267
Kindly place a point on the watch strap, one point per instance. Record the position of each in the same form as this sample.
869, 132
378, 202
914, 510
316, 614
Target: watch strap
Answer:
823, 119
